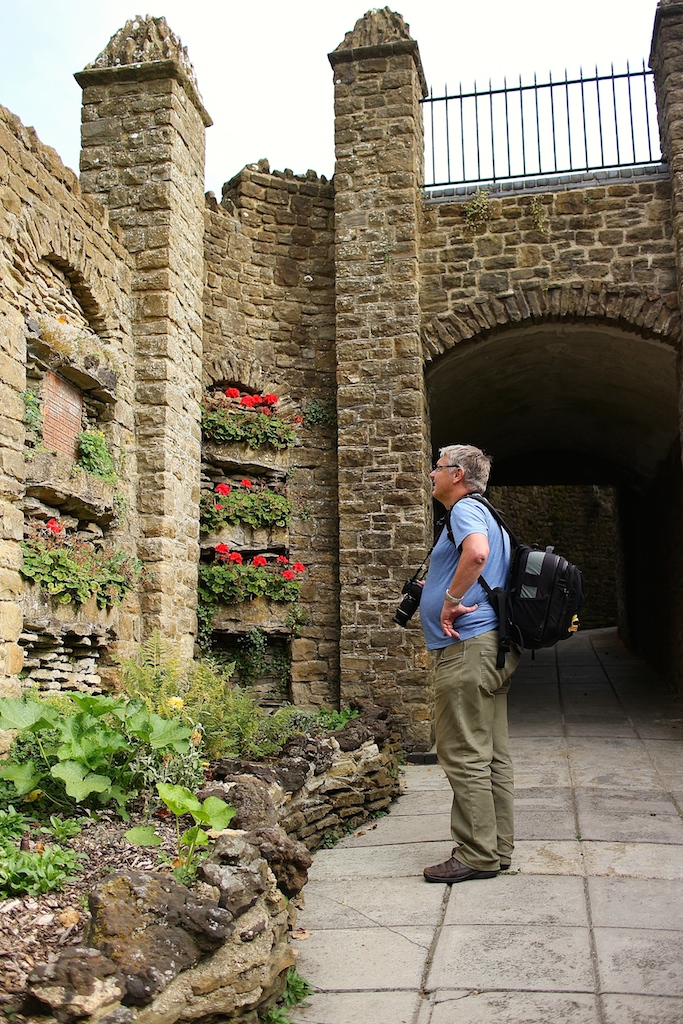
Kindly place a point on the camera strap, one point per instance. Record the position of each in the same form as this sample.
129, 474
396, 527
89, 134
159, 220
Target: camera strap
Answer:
439, 528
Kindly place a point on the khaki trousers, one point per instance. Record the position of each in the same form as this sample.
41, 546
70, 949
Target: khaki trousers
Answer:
472, 747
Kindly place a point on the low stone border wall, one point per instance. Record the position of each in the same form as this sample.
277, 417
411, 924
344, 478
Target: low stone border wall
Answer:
160, 953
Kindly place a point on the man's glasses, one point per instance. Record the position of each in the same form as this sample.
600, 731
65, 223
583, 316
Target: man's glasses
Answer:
436, 467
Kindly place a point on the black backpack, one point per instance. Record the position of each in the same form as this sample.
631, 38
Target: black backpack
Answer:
543, 597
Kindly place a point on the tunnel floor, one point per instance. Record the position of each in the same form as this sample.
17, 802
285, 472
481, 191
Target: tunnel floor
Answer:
587, 925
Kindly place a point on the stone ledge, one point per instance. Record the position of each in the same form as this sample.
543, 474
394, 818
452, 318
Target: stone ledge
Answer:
54, 478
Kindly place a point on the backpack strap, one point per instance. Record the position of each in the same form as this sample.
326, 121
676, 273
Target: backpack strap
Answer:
499, 597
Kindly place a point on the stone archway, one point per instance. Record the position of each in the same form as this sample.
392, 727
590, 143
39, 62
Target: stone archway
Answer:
583, 401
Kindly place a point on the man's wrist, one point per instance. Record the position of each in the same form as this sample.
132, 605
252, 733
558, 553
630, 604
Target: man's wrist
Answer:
453, 600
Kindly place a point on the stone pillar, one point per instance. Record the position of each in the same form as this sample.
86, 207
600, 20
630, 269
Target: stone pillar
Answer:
384, 504
143, 157
12, 384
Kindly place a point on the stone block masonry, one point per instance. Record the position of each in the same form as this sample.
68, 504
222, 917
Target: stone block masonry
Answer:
143, 157
383, 440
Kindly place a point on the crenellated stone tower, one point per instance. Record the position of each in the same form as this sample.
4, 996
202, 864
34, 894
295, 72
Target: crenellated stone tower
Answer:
384, 506
143, 158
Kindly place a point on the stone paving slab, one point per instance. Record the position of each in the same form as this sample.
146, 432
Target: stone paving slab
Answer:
405, 828
386, 902
520, 899
372, 959
640, 961
631, 818
512, 1008
544, 813
642, 1010
358, 1008
378, 862
491, 957
636, 903
634, 860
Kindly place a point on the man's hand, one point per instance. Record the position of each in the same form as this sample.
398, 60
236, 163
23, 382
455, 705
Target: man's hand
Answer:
450, 612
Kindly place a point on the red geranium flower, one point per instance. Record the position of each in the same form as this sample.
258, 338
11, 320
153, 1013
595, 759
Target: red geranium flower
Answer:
219, 508
266, 411
249, 401
53, 526
299, 567
270, 399
259, 561
223, 489
235, 557
246, 483
232, 393
281, 560
288, 574
298, 419
222, 549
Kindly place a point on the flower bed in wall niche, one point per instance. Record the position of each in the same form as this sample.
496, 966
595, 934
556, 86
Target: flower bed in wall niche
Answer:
249, 584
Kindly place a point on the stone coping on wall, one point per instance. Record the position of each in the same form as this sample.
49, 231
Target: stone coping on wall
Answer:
549, 183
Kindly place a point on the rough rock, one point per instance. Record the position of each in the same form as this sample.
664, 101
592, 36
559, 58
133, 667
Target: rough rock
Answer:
238, 869
288, 859
80, 983
153, 927
250, 798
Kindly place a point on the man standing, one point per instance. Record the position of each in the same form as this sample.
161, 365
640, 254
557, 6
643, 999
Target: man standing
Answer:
461, 626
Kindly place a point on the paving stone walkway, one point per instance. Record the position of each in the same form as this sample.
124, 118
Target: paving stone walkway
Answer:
586, 928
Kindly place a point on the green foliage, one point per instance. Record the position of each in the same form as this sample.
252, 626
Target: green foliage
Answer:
538, 214
276, 1015
331, 720
13, 824
477, 211
213, 811
257, 658
83, 750
198, 696
320, 413
94, 456
297, 988
33, 417
61, 828
255, 429
257, 508
23, 872
69, 570
232, 583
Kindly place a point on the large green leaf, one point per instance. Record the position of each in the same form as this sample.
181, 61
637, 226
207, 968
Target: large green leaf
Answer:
143, 835
97, 705
78, 781
218, 813
180, 800
194, 836
24, 776
29, 715
167, 733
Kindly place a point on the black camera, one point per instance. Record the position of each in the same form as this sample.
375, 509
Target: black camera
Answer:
412, 589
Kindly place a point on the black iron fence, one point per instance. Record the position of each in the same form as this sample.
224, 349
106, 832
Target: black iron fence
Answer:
556, 127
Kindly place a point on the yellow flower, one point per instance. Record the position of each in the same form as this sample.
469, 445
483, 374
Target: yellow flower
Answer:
196, 736
175, 702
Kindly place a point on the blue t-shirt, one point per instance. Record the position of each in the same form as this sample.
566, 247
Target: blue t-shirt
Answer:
467, 516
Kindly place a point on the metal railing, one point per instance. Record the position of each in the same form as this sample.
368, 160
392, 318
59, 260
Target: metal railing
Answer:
556, 127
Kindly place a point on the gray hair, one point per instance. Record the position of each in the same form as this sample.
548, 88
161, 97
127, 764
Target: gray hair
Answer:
473, 461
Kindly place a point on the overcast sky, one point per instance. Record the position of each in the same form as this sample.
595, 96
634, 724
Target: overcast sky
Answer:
263, 70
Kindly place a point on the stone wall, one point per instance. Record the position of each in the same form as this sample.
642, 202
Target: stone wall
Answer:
384, 507
143, 157
65, 309
269, 327
582, 524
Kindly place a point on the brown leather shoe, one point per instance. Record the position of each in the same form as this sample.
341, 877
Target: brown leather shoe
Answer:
453, 870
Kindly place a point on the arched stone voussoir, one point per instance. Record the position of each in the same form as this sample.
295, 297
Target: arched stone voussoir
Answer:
637, 310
